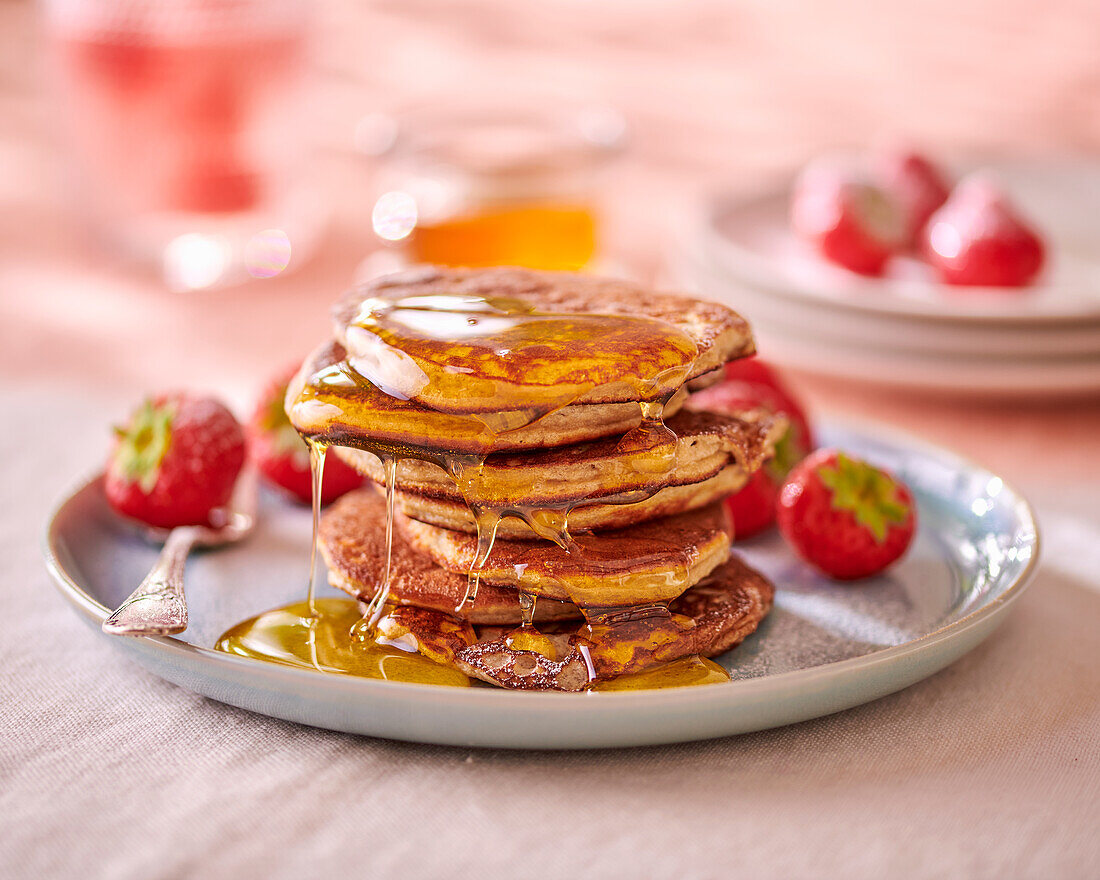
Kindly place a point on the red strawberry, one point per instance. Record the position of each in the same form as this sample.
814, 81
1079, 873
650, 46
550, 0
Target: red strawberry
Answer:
175, 461
753, 508
978, 239
849, 221
755, 370
845, 517
915, 184
281, 454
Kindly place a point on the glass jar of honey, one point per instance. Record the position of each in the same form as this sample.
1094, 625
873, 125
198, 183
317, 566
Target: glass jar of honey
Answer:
495, 187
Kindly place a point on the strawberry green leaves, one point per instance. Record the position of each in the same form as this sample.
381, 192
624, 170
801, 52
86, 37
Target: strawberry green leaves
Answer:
868, 493
143, 443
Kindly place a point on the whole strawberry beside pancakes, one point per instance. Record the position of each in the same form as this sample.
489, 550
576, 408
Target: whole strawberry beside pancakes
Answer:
175, 461
759, 373
844, 516
753, 384
281, 455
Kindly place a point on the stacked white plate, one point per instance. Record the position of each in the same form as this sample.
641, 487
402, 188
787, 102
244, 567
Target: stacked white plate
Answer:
906, 329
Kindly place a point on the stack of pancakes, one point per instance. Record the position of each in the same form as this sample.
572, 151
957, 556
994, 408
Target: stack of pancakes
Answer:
611, 550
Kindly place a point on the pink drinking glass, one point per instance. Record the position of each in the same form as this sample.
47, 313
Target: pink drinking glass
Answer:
183, 122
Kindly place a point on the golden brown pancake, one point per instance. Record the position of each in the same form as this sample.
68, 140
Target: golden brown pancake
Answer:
353, 542
719, 333
650, 562
450, 514
549, 359
403, 424
604, 485
709, 619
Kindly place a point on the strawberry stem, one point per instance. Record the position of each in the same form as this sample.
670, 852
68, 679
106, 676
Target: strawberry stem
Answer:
870, 494
143, 444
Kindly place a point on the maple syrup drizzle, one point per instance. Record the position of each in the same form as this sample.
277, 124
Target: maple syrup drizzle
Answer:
459, 372
487, 522
382, 591
527, 637
527, 608
317, 452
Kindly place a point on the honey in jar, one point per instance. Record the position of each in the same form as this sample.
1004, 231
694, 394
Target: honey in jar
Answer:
496, 188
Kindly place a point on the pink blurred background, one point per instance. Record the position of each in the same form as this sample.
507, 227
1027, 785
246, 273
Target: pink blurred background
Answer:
735, 94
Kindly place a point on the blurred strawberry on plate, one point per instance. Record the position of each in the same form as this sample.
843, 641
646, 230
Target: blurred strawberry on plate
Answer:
914, 182
281, 455
907, 328
846, 218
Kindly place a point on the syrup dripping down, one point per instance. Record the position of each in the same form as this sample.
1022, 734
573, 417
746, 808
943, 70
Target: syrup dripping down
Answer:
382, 591
317, 453
527, 637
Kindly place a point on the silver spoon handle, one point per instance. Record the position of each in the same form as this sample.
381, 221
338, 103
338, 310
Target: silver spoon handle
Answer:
157, 607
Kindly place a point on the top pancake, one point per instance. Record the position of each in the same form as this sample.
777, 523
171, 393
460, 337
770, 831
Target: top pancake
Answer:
719, 333
476, 361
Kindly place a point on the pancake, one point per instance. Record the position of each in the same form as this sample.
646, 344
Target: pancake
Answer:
352, 541
719, 333
715, 453
450, 514
475, 361
709, 619
405, 426
650, 562
562, 382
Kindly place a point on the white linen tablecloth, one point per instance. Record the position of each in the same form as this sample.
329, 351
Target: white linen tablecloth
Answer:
989, 769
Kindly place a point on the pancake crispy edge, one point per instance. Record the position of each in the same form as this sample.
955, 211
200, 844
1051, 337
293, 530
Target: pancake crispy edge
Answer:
586, 472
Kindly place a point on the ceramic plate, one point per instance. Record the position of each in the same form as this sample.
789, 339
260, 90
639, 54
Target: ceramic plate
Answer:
824, 648
905, 352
